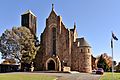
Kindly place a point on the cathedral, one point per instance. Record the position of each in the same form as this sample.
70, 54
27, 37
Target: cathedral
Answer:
60, 48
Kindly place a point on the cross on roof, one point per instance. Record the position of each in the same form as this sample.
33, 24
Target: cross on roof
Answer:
52, 6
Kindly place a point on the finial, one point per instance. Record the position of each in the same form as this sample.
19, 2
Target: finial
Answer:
52, 6
29, 11
74, 25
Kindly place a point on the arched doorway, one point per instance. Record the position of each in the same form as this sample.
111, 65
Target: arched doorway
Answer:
51, 65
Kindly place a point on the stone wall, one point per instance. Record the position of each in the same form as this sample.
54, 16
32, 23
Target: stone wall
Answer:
81, 58
62, 47
62, 41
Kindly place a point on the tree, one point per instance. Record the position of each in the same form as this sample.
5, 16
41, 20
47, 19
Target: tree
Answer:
108, 59
18, 43
118, 67
102, 64
114, 63
9, 46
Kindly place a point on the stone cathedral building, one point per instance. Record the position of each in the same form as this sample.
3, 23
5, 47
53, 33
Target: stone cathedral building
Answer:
60, 47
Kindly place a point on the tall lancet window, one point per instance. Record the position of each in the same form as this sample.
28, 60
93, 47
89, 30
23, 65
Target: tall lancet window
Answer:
54, 40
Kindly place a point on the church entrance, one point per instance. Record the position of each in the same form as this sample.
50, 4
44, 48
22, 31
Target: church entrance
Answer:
51, 65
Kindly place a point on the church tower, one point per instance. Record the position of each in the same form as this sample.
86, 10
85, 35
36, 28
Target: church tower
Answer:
28, 19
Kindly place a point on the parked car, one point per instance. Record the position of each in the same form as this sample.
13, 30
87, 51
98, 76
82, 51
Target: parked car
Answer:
94, 71
99, 71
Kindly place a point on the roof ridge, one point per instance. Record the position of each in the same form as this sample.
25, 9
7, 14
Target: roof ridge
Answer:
29, 11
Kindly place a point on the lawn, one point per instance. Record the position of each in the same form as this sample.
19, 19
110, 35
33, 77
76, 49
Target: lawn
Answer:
108, 76
25, 77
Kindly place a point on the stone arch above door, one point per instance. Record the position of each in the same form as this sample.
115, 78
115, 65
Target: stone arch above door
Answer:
50, 64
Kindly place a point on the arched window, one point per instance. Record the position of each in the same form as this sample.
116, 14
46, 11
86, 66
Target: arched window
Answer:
81, 50
88, 50
54, 40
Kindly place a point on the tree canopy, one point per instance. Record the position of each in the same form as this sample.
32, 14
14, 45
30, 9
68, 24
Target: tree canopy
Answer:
118, 67
103, 64
18, 44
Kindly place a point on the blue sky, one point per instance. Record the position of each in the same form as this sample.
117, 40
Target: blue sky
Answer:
95, 19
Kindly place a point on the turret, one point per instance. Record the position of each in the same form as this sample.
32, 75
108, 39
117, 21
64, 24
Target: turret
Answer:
85, 52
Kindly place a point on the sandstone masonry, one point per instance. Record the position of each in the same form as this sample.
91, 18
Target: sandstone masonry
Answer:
60, 48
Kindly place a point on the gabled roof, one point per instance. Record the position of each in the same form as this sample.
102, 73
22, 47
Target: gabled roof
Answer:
52, 13
28, 11
83, 42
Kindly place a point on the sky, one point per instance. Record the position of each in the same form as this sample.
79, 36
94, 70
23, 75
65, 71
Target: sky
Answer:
95, 19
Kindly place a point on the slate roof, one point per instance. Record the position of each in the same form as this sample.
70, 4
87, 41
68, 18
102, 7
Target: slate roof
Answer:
83, 42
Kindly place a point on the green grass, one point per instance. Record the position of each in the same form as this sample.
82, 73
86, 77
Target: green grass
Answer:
25, 77
109, 76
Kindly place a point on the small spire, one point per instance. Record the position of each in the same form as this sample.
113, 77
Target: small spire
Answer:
74, 25
52, 6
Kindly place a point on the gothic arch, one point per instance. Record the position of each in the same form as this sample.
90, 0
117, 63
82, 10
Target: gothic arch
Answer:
50, 64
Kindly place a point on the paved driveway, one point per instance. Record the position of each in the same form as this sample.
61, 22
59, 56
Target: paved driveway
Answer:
74, 76
78, 76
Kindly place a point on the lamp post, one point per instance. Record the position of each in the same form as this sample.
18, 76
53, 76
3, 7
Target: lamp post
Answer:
62, 65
